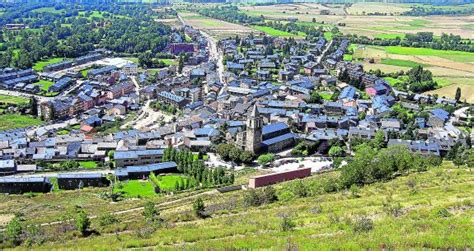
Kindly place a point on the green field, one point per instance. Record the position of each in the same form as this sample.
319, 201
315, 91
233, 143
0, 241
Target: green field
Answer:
168, 182
44, 84
328, 35
389, 36
276, 33
14, 100
136, 188
399, 62
88, 164
458, 56
11, 121
169, 62
38, 66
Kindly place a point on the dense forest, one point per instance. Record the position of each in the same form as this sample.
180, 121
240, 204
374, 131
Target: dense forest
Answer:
71, 30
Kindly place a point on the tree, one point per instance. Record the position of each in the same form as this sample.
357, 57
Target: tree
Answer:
265, 159
336, 151
34, 106
458, 94
150, 212
180, 64
246, 157
82, 222
198, 207
14, 231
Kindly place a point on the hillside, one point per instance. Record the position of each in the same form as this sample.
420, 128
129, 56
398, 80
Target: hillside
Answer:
433, 209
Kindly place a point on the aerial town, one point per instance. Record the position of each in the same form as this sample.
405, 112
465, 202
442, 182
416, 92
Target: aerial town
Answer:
240, 113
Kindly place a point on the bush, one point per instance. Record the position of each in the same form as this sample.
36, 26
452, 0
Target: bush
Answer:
363, 224
265, 159
299, 189
82, 222
14, 230
269, 195
150, 212
251, 198
287, 224
107, 219
198, 208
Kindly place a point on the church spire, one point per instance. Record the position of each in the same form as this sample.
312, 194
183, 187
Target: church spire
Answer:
255, 112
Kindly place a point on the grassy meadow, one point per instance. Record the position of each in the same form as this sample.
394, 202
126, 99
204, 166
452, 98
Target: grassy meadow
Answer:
14, 100
429, 210
39, 66
277, 33
12, 121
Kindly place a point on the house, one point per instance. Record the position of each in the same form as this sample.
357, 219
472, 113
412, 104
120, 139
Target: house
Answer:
19, 185
69, 181
172, 99
138, 157
438, 117
143, 171
130, 69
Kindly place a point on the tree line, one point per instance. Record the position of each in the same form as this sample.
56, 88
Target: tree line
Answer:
418, 40
195, 168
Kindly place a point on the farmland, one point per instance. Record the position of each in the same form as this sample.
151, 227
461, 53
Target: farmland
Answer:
214, 27
387, 24
449, 67
277, 33
434, 211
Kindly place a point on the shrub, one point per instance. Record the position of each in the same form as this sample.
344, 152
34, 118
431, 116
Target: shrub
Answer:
287, 224
198, 207
107, 219
14, 230
363, 224
251, 198
443, 213
82, 222
269, 195
299, 189
150, 212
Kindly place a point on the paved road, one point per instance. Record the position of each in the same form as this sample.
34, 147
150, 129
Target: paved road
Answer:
213, 51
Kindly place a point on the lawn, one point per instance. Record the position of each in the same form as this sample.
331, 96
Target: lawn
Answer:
168, 182
88, 164
136, 188
400, 62
38, 66
276, 33
12, 121
14, 100
328, 35
169, 62
44, 84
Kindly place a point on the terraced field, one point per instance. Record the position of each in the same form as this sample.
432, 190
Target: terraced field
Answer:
424, 210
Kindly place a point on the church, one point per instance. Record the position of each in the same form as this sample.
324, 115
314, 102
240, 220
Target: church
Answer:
258, 138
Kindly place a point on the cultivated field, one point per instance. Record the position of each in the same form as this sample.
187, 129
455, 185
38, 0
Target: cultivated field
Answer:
374, 26
214, 27
448, 67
